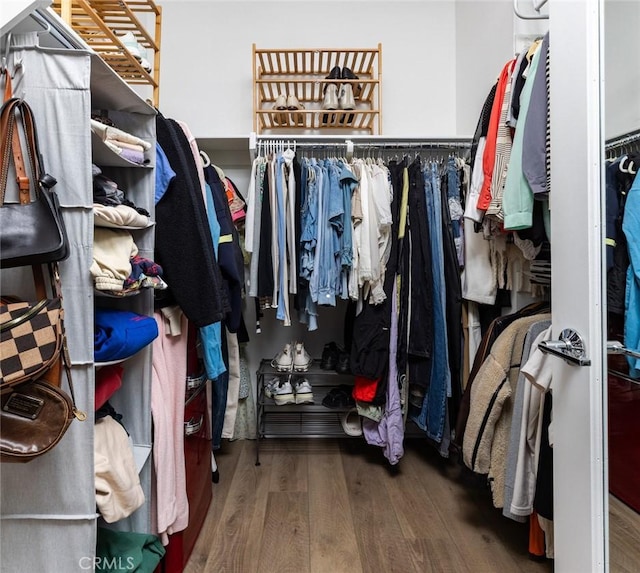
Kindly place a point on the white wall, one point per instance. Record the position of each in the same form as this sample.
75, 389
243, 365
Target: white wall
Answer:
206, 70
622, 58
438, 66
484, 43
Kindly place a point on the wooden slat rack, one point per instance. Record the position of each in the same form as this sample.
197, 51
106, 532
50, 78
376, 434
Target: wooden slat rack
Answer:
302, 73
101, 23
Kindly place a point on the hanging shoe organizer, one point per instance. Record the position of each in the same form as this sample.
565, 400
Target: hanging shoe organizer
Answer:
108, 26
296, 79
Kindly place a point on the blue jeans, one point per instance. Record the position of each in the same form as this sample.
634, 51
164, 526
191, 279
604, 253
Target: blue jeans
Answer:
432, 415
453, 194
330, 225
348, 183
282, 233
309, 220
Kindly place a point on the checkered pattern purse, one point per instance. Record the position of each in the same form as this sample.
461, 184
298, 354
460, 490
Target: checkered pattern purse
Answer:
31, 333
30, 339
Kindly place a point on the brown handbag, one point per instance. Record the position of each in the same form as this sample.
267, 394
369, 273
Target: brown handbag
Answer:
34, 412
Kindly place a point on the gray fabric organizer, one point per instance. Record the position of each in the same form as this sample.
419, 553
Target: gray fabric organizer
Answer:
48, 514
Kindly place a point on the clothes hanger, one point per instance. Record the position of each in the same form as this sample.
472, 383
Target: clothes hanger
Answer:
621, 164
205, 159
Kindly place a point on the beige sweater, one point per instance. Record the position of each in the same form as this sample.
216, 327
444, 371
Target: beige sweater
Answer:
486, 437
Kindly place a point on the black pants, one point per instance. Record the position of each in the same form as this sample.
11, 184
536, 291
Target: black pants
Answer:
420, 271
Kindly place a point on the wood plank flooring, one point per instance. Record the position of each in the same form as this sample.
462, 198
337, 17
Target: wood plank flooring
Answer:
334, 506
624, 537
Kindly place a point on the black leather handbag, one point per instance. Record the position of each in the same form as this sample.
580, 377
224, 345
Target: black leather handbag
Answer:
32, 230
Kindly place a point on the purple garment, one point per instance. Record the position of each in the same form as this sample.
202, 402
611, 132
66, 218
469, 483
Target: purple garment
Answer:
389, 432
133, 156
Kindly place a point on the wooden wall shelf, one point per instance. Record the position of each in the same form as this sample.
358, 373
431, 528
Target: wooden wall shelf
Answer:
102, 23
302, 73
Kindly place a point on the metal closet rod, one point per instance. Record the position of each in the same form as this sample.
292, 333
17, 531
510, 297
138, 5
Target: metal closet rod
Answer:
442, 144
624, 139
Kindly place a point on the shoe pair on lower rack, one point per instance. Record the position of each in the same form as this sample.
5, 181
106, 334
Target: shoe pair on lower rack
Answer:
283, 392
334, 357
292, 358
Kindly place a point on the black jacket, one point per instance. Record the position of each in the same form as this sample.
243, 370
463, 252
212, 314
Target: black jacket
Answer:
183, 244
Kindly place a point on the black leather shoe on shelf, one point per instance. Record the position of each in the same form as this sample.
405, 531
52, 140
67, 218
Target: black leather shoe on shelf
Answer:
347, 74
343, 366
329, 358
335, 73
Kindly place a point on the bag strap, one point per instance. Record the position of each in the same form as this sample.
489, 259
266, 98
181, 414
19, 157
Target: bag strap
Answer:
56, 287
8, 88
12, 109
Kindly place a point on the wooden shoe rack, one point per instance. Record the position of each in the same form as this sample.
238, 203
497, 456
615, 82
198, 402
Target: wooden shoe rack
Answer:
101, 23
302, 73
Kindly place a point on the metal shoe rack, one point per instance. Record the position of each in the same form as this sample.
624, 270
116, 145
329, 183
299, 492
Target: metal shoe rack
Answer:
101, 23
299, 420
302, 73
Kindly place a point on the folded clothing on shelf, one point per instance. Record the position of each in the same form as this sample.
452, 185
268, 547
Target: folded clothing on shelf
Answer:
112, 253
115, 216
108, 380
118, 489
119, 334
116, 550
118, 137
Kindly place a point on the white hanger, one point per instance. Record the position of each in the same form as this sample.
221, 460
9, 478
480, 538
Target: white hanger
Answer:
205, 159
621, 164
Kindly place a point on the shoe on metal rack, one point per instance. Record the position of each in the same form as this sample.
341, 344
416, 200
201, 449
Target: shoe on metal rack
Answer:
301, 358
271, 386
330, 355
303, 390
343, 365
283, 361
283, 393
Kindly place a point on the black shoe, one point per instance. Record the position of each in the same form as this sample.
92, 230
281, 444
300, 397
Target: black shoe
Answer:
347, 74
329, 358
335, 73
343, 366
339, 397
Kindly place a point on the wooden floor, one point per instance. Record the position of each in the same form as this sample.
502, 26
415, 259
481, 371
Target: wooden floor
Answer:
624, 538
334, 506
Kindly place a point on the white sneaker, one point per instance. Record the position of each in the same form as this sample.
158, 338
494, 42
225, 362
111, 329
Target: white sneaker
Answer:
303, 390
271, 387
283, 361
301, 358
283, 394
131, 44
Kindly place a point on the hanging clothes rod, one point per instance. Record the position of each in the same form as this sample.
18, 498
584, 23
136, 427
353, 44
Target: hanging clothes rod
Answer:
622, 140
430, 144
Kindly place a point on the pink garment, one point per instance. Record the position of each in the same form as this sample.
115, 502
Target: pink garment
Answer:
195, 151
168, 386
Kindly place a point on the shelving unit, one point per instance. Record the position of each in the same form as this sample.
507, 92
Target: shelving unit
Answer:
133, 398
101, 23
299, 420
302, 73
